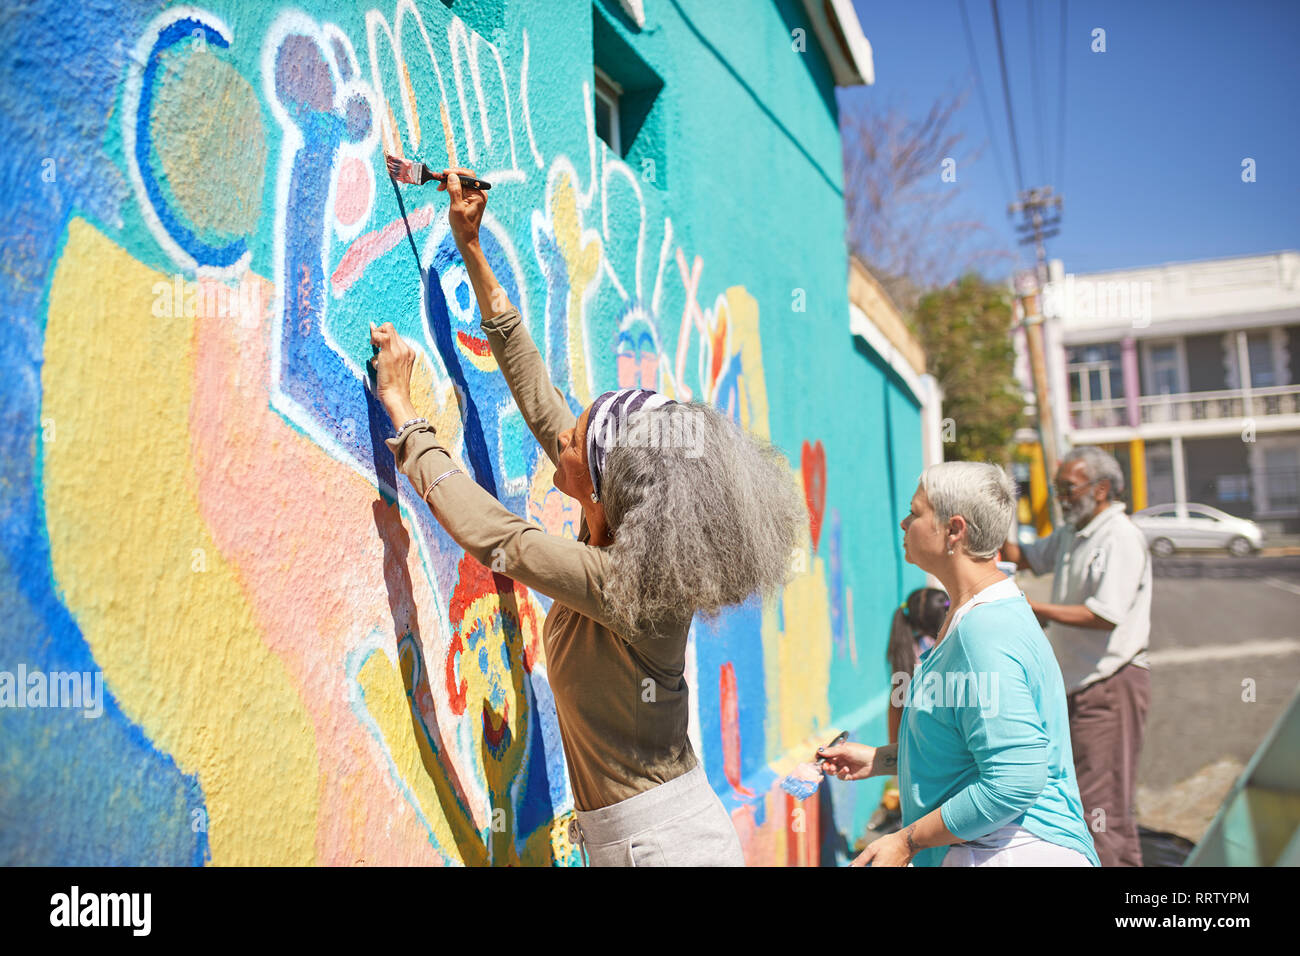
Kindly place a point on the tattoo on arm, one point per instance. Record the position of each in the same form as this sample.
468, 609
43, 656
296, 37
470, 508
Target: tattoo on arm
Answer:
885, 760
912, 848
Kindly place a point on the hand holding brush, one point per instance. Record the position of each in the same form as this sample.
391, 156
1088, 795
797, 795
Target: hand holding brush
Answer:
417, 174
804, 780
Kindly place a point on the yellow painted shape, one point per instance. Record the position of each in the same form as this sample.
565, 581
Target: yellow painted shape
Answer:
418, 765
426, 773
802, 674
447, 136
388, 132
439, 404
743, 310
161, 610
408, 91
583, 263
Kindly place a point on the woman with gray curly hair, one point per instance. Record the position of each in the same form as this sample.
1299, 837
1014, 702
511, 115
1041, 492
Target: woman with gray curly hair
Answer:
682, 512
985, 768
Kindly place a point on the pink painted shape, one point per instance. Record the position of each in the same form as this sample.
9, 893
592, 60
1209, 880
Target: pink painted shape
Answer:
281, 512
352, 195
369, 247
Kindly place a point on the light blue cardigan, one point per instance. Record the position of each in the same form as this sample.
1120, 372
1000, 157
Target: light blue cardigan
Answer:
985, 734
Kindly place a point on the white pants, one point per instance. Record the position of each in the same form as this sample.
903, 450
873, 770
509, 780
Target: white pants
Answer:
1012, 846
678, 823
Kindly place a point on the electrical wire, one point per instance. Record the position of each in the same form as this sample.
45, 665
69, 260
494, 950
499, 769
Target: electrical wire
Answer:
1060, 113
1035, 55
984, 103
1006, 95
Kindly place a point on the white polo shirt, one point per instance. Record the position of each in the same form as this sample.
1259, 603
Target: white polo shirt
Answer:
1106, 568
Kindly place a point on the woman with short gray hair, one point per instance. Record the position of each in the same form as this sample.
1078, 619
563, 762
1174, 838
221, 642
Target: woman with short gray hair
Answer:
682, 512
985, 771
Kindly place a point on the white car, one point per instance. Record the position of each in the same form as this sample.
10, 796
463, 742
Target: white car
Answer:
1202, 527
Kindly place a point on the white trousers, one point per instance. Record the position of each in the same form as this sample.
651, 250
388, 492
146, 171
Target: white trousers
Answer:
678, 823
1012, 846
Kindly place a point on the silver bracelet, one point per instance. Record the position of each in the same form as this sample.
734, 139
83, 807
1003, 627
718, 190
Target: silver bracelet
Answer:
440, 477
406, 425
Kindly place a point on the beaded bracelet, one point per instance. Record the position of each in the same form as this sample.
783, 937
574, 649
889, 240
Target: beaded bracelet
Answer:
406, 425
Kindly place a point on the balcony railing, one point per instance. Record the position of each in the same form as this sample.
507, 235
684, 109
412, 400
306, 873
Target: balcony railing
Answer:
1189, 407
1099, 414
1206, 406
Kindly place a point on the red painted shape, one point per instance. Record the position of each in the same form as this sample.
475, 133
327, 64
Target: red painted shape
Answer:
791, 837
730, 728
812, 833
814, 487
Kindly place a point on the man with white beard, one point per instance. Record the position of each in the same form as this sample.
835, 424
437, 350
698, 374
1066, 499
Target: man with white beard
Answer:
1098, 624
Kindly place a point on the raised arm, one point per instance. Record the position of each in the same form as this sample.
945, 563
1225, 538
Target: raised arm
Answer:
566, 571
541, 403
569, 572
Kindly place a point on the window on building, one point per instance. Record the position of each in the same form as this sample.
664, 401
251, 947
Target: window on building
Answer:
1095, 373
1234, 487
1164, 369
1259, 348
607, 94
1282, 477
630, 114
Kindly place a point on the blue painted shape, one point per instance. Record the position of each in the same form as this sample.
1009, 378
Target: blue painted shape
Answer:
184, 237
734, 638
73, 791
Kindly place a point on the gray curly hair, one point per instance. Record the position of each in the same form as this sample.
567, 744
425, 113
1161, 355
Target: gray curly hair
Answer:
700, 522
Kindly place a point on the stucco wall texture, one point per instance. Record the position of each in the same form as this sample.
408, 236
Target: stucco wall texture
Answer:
299, 666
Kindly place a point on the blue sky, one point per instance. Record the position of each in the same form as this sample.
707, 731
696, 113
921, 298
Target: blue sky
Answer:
1156, 127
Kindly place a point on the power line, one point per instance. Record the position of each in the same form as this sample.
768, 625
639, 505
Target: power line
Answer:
1060, 113
1006, 96
984, 103
1035, 54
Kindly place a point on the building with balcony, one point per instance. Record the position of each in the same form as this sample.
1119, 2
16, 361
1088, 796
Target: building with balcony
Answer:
1185, 371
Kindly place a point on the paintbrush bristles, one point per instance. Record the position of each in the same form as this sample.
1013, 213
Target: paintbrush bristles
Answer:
803, 781
405, 170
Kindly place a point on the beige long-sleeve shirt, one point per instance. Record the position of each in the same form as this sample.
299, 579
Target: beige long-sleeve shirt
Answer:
621, 701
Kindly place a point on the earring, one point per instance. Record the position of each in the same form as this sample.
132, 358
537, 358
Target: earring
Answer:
596, 497
950, 550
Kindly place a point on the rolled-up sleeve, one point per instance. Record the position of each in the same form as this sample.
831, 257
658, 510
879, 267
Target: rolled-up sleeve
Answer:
1006, 739
567, 571
1040, 555
1116, 575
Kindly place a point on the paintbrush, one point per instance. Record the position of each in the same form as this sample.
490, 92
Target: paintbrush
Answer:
417, 174
804, 780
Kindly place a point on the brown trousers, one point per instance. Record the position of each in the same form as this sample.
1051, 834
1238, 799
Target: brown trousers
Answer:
1106, 722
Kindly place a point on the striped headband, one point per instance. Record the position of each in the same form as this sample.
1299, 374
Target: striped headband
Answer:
608, 415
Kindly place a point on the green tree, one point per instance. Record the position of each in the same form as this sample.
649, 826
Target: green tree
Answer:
966, 331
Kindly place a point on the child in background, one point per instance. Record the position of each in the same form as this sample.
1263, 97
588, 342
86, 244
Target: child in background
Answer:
911, 634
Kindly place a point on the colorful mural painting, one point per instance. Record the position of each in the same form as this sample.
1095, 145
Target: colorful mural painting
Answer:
299, 665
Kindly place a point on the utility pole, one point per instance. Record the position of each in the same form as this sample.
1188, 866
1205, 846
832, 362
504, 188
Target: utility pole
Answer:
1039, 222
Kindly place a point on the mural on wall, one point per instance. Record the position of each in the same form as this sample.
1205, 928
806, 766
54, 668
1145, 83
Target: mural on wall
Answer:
300, 666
